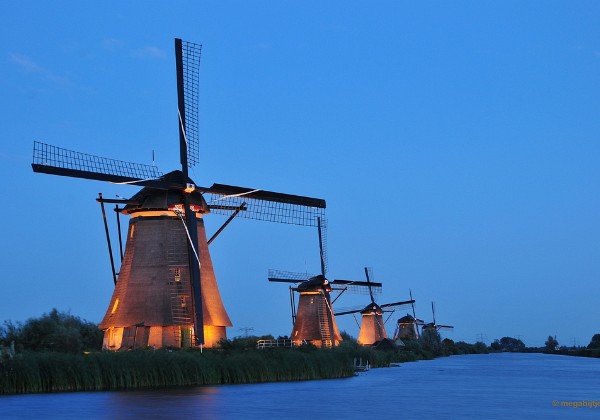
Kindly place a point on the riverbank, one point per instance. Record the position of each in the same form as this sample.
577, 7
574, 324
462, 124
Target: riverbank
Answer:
31, 372
34, 372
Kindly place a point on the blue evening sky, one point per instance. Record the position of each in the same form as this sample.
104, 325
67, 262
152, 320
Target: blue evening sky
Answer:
456, 144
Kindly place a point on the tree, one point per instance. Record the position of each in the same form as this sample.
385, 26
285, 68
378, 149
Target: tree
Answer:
431, 341
10, 332
508, 344
54, 331
551, 343
595, 343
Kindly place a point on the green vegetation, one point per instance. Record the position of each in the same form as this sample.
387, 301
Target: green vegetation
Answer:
59, 352
51, 371
508, 344
592, 349
595, 342
55, 331
551, 343
551, 346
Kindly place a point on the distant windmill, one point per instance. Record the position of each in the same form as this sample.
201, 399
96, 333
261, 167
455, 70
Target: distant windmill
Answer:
314, 321
166, 293
372, 327
434, 325
407, 327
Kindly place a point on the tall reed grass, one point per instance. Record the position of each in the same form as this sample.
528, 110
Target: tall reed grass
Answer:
57, 372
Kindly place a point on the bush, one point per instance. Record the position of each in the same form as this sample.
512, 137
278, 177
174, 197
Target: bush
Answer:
508, 344
595, 342
55, 331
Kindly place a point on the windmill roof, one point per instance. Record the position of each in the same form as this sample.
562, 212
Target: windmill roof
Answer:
314, 283
409, 319
385, 344
150, 198
372, 307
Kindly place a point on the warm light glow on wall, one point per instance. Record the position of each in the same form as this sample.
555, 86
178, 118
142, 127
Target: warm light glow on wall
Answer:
213, 334
112, 339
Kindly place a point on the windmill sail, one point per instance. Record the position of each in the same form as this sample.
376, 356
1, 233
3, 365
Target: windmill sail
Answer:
55, 160
187, 55
265, 205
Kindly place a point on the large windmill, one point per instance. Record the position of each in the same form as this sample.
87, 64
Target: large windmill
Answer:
372, 326
166, 293
314, 320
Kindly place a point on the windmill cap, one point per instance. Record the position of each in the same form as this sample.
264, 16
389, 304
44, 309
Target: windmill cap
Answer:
315, 283
149, 198
372, 307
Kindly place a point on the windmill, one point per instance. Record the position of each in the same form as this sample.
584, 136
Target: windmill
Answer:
166, 293
433, 325
408, 326
372, 326
314, 320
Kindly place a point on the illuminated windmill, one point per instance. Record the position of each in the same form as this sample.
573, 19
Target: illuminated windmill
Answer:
314, 321
408, 326
166, 293
372, 326
433, 325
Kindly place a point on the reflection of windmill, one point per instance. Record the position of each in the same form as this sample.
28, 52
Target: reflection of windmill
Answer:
166, 293
408, 326
314, 321
434, 325
372, 327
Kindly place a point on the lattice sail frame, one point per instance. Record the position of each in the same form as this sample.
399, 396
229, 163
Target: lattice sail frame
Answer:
191, 92
269, 211
347, 285
323, 226
357, 289
289, 276
48, 155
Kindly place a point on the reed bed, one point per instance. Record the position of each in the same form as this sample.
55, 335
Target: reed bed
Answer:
31, 372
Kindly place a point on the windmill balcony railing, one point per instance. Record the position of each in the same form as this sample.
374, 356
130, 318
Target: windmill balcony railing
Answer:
281, 343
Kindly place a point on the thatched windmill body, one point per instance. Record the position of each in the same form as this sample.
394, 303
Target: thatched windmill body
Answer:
166, 293
407, 327
372, 325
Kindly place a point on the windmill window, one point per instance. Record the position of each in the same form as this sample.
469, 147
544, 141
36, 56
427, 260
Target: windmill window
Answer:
114, 308
183, 305
178, 274
131, 232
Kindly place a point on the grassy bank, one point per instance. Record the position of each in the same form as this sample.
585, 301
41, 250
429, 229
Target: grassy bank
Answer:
31, 372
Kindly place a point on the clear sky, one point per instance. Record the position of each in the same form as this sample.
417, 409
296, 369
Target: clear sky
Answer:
456, 144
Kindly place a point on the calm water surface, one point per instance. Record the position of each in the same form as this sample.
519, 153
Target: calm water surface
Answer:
495, 386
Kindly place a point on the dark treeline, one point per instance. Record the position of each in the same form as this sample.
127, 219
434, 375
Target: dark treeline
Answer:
551, 346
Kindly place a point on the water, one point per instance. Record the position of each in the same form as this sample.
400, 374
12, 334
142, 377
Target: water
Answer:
495, 386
